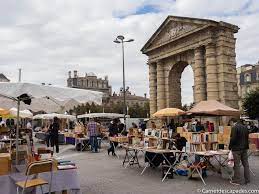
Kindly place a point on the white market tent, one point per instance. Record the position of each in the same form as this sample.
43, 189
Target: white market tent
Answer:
23, 113
27, 91
52, 115
14, 90
41, 104
101, 115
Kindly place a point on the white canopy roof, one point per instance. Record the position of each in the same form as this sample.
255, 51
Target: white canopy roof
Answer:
101, 115
47, 98
58, 93
52, 115
23, 113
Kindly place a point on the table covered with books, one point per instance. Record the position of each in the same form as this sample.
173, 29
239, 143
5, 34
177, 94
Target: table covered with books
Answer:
172, 158
199, 154
43, 135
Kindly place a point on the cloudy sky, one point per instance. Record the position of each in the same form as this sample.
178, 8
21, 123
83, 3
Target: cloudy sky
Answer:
47, 38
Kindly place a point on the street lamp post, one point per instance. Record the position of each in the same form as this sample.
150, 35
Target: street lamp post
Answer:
121, 40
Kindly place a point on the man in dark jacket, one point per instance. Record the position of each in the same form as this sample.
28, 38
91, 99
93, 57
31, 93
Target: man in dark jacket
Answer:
113, 132
54, 129
239, 146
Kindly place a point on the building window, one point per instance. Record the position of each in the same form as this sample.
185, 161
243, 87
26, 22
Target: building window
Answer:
87, 84
248, 77
257, 75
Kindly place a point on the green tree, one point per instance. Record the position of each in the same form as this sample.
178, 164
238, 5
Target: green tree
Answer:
251, 104
185, 107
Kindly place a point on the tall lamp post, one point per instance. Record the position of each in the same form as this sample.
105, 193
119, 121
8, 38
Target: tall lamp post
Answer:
121, 40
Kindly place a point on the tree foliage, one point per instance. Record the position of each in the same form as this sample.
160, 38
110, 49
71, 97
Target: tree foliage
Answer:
251, 104
135, 111
187, 107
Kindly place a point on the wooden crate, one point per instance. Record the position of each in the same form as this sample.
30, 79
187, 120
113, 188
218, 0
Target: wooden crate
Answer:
5, 163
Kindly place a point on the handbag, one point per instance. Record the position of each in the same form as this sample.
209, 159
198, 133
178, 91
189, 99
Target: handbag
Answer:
230, 159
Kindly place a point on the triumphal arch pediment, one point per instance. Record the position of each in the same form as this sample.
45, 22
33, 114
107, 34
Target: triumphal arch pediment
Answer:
207, 45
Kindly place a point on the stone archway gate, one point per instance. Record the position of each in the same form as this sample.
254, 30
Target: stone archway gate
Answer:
208, 46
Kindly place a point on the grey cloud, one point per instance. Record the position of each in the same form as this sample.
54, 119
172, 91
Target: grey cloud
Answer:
48, 38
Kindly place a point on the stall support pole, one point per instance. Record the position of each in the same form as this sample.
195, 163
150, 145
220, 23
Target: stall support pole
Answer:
17, 131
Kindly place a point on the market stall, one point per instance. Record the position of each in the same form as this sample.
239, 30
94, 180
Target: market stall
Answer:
26, 93
186, 152
64, 124
24, 114
105, 120
213, 135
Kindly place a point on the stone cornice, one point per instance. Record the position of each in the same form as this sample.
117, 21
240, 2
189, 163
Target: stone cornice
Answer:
203, 23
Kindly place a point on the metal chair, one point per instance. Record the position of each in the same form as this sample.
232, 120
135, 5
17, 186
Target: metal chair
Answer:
35, 168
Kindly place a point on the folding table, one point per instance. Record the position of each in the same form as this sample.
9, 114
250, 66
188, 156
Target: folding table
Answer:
131, 155
163, 152
119, 139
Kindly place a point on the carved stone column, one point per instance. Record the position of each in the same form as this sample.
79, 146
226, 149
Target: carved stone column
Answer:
199, 75
152, 88
161, 97
212, 73
226, 58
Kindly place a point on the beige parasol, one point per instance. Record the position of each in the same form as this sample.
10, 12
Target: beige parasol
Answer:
213, 107
168, 112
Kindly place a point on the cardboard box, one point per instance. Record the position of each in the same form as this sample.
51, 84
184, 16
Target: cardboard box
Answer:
179, 130
220, 138
184, 134
226, 141
227, 130
189, 136
5, 163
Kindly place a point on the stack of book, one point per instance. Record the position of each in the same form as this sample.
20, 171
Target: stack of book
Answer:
66, 165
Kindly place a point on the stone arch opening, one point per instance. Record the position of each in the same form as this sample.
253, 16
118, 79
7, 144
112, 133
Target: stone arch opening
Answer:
187, 83
174, 83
